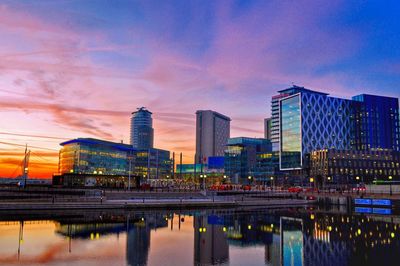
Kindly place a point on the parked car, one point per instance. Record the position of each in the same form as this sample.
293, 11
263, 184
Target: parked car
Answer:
246, 187
360, 188
296, 189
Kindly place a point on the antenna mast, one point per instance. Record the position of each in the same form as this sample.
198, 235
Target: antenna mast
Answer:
25, 165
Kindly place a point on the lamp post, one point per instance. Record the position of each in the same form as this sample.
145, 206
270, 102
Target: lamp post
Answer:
204, 181
329, 180
311, 181
390, 183
249, 178
272, 182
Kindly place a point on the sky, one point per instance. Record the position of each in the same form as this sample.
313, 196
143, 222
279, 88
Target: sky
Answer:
72, 68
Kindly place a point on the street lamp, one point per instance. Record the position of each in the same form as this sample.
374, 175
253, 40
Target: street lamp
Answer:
311, 181
224, 180
204, 181
390, 180
249, 178
272, 182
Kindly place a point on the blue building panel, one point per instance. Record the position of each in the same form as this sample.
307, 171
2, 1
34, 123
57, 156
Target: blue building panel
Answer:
216, 162
377, 122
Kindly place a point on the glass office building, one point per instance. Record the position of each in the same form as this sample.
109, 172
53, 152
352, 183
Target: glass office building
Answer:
142, 132
92, 156
377, 122
94, 162
241, 158
291, 148
311, 120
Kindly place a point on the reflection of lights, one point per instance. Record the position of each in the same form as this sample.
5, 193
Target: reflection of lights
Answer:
249, 227
321, 235
234, 235
202, 229
266, 228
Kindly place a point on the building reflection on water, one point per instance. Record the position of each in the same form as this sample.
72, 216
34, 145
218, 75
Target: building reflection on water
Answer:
210, 243
287, 237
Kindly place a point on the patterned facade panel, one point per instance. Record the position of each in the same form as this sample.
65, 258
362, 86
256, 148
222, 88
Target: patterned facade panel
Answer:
326, 122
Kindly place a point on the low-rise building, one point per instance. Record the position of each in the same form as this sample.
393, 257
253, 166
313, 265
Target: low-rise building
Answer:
353, 166
94, 162
267, 168
241, 158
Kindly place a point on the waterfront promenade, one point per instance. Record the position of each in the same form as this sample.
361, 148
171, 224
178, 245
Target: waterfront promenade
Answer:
47, 198
13, 199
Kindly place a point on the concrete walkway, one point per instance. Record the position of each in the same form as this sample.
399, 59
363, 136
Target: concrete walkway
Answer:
152, 203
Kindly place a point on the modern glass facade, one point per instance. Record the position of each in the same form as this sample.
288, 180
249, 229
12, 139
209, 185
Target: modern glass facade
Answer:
90, 156
377, 122
312, 120
291, 139
241, 158
142, 132
267, 166
103, 161
152, 163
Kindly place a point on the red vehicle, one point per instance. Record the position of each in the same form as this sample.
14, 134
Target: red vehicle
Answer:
222, 187
145, 187
295, 189
246, 187
360, 188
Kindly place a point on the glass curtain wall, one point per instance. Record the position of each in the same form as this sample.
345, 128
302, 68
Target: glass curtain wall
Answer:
291, 155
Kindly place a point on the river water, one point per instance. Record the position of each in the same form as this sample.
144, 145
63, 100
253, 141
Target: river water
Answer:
298, 236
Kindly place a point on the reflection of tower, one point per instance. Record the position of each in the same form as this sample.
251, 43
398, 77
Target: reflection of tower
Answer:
20, 237
138, 244
210, 243
272, 251
291, 241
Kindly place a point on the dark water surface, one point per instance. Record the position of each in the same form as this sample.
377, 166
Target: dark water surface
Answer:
200, 237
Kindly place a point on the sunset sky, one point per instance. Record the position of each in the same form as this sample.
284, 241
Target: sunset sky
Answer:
79, 68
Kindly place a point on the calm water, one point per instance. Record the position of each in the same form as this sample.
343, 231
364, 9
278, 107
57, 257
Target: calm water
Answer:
203, 237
